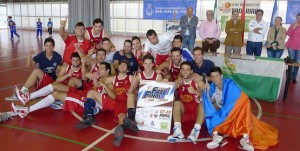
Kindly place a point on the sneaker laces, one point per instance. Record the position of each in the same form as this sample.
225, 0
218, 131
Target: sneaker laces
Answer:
195, 131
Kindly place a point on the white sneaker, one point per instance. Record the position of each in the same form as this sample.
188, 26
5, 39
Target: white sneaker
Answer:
4, 116
245, 143
194, 135
20, 110
57, 105
13, 97
217, 141
23, 97
177, 135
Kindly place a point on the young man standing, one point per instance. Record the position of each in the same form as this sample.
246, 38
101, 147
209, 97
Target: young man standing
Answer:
12, 27
50, 25
39, 28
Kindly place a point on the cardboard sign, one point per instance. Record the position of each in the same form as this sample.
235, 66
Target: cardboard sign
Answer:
154, 107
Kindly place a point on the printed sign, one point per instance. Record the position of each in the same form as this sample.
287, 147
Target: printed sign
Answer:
154, 107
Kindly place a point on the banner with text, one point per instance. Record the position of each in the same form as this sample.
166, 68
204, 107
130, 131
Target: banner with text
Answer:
167, 9
225, 8
293, 8
154, 107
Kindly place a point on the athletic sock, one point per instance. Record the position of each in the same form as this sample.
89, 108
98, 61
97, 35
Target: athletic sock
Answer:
42, 104
42, 92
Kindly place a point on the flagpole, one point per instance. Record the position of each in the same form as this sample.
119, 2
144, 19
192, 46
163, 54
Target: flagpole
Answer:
243, 18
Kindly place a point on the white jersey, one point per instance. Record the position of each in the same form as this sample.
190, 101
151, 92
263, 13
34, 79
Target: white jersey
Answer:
109, 57
163, 46
217, 97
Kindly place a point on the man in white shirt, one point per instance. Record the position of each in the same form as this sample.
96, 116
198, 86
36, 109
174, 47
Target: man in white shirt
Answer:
257, 30
158, 45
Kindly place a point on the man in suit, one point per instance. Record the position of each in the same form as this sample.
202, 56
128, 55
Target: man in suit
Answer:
188, 24
234, 29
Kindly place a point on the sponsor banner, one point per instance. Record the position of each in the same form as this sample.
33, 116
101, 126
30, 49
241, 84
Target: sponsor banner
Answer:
167, 9
225, 8
154, 107
293, 8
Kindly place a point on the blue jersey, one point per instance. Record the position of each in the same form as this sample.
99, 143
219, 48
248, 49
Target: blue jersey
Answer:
205, 68
187, 55
12, 27
50, 24
133, 64
48, 66
39, 25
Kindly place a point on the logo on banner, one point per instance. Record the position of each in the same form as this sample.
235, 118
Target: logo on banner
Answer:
149, 9
295, 11
156, 93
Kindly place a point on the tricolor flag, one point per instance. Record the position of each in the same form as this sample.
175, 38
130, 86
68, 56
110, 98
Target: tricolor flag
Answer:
274, 14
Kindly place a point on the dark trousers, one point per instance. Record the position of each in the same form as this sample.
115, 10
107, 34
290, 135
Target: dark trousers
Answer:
50, 31
207, 46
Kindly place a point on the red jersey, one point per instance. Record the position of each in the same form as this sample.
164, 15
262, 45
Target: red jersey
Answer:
76, 74
95, 68
85, 45
93, 38
145, 80
174, 71
184, 95
121, 87
140, 61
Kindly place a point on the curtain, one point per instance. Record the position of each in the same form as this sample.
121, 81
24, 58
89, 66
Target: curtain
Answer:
86, 11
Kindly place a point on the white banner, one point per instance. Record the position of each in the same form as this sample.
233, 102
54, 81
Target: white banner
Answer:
225, 8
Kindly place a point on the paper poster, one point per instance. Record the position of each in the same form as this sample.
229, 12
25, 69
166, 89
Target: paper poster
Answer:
154, 107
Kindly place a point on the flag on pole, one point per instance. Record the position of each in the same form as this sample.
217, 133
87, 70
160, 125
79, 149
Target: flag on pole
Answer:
274, 14
243, 18
215, 11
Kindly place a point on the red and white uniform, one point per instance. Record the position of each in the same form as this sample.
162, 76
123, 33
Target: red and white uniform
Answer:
119, 105
145, 80
75, 98
46, 80
95, 39
85, 45
190, 101
76, 74
88, 84
161, 50
174, 71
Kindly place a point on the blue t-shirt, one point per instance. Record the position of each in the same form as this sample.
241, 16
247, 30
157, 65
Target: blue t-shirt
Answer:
39, 25
187, 55
48, 66
50, 24
13, 27
132, 62
205, 68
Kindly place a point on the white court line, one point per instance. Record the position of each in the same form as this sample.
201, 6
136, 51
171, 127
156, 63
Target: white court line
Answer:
12, 69
98, 140
259, 108
108, 132
13, 59
10, 86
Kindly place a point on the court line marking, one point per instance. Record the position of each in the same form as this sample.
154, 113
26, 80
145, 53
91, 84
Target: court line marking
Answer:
108, 132
99, 140
12, 59
10, 86
49, 135
12, 69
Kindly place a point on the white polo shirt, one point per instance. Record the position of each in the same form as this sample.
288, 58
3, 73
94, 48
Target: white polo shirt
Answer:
254, 37
163, 47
